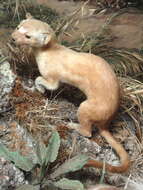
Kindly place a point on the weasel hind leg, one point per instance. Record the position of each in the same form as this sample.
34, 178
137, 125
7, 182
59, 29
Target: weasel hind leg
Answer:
91, 112
83, 114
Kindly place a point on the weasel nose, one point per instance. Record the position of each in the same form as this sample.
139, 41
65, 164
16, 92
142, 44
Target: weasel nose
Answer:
13, 39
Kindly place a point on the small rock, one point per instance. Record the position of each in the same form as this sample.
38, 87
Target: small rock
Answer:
10, 176
7, 78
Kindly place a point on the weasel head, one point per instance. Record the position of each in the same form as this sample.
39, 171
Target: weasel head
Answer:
33, 32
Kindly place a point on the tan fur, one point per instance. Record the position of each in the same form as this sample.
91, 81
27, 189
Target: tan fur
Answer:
88, 72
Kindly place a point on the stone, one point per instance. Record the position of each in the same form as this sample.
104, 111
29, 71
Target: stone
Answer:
7, 80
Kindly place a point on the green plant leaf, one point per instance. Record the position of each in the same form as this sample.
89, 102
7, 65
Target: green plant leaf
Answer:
69, 184
2, 59
20, 161
71, 165
28, 187
40, 150
53, 148
42, 172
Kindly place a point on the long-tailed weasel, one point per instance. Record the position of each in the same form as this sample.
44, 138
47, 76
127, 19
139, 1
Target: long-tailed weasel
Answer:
88, 72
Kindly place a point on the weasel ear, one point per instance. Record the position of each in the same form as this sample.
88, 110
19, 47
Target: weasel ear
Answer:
29, 16
47, 39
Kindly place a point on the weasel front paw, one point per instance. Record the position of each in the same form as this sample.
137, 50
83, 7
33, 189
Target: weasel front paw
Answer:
39, 86
42, 84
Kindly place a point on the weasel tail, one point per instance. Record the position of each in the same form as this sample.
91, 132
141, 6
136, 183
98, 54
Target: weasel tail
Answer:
124, 158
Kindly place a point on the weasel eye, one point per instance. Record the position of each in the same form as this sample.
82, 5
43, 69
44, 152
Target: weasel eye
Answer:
27, 36
17, 28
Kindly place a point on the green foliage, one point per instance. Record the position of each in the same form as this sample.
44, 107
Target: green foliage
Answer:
53, 147
71, 165
45, 155
2, 59
69, 184
40, 150
28, 187
21, 162
48, 154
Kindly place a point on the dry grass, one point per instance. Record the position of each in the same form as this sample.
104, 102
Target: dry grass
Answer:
132, 102
34, 110
126, 62
22, 61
